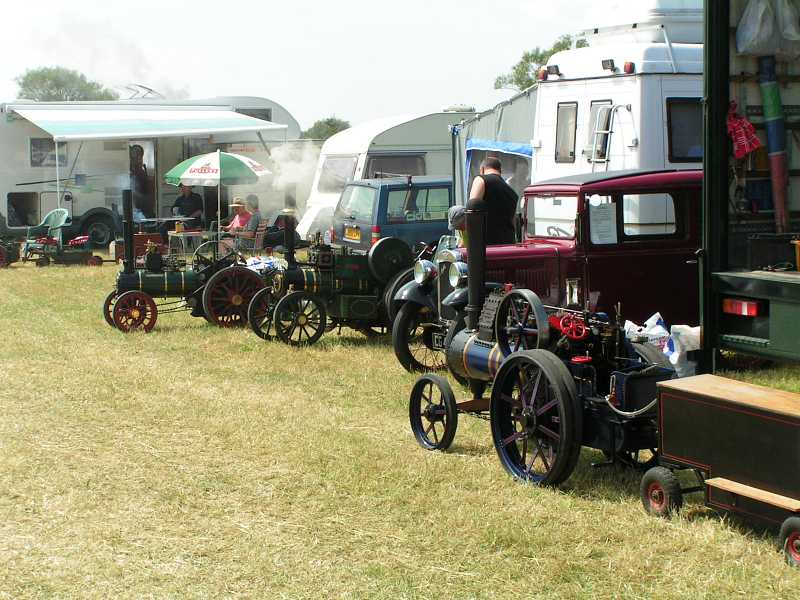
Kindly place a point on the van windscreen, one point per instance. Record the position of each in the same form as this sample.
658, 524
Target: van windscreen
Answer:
336, 172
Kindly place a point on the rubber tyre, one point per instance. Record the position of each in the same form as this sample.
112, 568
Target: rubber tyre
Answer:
445, 411
503, 415
391, 289
100, 230
660, 492
790, 540
401, 342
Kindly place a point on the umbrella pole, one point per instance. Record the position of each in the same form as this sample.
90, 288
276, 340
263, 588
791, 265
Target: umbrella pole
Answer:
219, 201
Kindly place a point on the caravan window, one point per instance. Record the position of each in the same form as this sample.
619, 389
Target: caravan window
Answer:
685, 125
22, 209
598, 107
566, 128
336, 172
389, 166
516, 169
43, 153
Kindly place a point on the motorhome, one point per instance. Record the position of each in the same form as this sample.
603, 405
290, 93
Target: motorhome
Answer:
402, 145
107, 148
631, 99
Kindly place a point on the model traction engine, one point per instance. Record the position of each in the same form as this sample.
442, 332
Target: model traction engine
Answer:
336, 286
560, 379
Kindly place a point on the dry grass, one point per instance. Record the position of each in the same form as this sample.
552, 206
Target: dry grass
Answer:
198, 462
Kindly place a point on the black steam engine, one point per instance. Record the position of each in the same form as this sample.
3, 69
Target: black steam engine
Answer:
335, 287
560, 379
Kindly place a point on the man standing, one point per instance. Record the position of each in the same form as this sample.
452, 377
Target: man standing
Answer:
501, 202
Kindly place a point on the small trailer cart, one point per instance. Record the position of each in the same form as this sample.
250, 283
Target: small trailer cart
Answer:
743, 443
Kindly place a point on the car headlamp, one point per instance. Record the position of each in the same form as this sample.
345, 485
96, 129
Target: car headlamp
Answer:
424, 271
458, 274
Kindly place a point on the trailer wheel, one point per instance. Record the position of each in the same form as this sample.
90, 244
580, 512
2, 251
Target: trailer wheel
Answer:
521, 322
260, 313
94, 261
660, 492
108, 308
790, 540
300, 319
432, 412
135, 311
42, 261
412, 339
100, 230
535, 419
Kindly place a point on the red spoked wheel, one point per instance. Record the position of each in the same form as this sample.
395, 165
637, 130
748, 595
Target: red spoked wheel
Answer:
573, 327
94, 261
228, 294
660, 492
135, 311
108, 308
790, 540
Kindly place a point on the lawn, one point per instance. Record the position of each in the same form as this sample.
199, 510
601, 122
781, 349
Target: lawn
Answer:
201, 462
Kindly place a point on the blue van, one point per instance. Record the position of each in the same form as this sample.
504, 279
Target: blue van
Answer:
413, 209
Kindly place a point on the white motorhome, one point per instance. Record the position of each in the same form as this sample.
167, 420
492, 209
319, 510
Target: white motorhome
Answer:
401, 145
97, 143
630, 100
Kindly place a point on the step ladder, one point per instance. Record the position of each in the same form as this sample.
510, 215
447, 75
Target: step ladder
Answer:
604, 114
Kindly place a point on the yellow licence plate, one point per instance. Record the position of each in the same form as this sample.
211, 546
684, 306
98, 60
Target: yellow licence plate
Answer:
352, 233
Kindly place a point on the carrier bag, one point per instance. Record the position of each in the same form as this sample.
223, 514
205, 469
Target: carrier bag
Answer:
756, 34
787, 18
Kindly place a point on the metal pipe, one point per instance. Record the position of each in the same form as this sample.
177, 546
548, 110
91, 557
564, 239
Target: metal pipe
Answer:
128, 263
289, 227
476, 259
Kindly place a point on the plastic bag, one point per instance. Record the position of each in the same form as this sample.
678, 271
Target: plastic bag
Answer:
682, 340
755, 34
787, 19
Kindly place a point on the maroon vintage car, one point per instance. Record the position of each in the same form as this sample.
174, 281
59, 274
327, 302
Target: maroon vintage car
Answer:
602, 239
626, 237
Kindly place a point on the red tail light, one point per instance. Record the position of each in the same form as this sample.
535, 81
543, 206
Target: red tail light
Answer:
742, 308
629, 68
331, 235
376, 234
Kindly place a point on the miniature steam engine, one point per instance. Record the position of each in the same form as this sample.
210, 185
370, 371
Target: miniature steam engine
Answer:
337, 286
560, 379
217, 287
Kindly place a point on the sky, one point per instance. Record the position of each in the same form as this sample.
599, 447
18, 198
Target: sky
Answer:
354, 59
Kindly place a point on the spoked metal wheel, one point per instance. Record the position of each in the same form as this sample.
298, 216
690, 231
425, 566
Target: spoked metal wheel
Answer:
535, 418
521, 322
135, 311
108, 307
209, 253
432, 412
412, 339
227, 295
790, 540
299, 319
260, 313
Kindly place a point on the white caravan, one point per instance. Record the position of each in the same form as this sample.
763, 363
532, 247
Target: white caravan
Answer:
632, 99
402, 145
98, 142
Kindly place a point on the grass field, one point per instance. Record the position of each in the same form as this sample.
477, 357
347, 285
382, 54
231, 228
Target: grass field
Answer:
200, 462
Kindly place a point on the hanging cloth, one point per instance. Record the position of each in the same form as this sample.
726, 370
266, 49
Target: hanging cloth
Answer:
742, 133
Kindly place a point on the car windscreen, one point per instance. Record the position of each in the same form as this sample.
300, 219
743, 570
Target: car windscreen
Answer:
357, 203
336, 172
551, 216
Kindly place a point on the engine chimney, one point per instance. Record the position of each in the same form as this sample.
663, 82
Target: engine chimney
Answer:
128, 263
476, 259
289, 227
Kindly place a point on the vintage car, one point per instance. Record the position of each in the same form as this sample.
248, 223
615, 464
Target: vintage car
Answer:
590, 242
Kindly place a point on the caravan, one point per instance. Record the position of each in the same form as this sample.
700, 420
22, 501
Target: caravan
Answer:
106, 149
402, 145
631, 99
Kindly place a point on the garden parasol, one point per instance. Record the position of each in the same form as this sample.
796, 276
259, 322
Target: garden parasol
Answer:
216, 169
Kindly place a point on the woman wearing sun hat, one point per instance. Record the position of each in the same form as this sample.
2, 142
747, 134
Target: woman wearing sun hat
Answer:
240, 217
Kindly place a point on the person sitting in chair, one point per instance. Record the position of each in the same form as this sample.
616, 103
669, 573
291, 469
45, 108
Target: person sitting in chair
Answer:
246, 237
241, 217
188, 205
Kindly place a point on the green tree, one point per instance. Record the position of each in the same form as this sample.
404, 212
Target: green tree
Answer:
60, 84
523, 74
325, 128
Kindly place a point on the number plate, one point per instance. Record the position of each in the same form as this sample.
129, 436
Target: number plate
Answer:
352, 233
438, 341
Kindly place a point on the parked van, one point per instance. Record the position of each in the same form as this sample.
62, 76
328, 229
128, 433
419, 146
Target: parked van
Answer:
402, 145
632, 99
413, 209
106, 148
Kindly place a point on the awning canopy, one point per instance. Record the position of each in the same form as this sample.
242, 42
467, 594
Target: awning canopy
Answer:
74, 124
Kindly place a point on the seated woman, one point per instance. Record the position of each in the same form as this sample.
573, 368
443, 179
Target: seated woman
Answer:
240, 217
